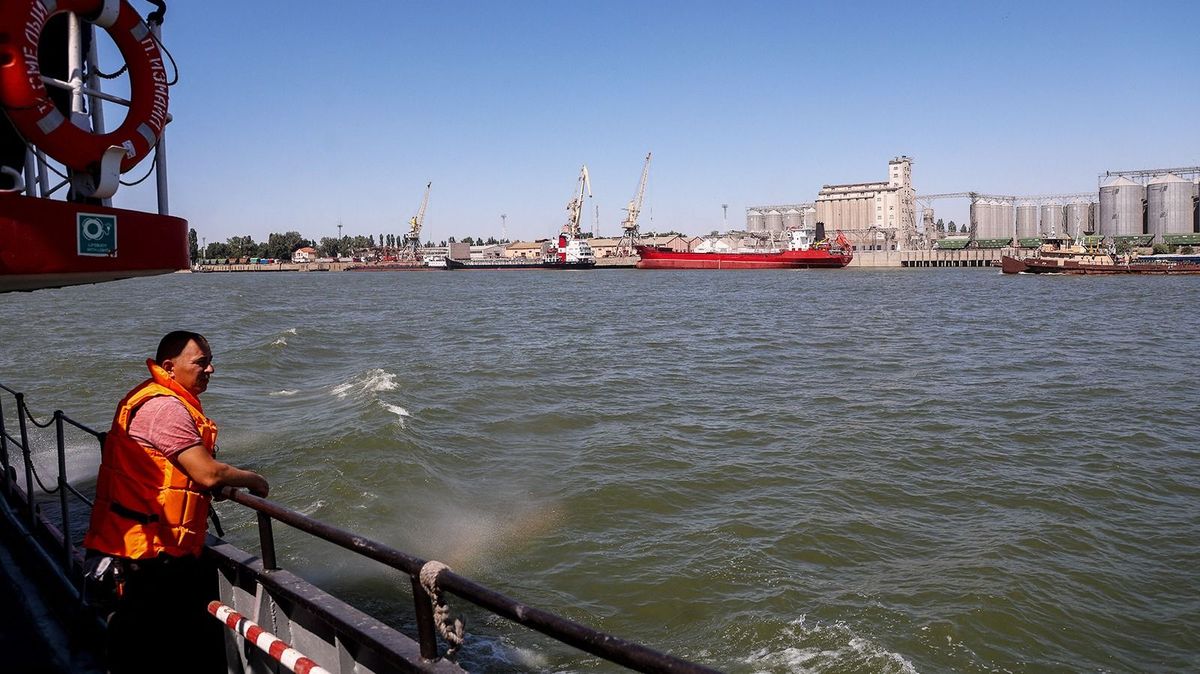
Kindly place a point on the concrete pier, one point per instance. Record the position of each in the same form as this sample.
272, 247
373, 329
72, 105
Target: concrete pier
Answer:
966, 257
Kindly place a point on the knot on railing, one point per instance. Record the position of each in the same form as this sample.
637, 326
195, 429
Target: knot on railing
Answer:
450, 627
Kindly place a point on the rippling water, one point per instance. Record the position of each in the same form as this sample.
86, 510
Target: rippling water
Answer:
850, 471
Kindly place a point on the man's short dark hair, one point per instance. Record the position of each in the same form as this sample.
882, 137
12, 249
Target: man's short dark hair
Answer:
175, 342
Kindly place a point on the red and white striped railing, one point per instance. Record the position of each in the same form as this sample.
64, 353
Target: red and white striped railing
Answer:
264, 640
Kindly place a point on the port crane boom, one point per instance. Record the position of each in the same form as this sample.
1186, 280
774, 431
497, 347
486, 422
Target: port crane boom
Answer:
630, 237
412, 240
575, 206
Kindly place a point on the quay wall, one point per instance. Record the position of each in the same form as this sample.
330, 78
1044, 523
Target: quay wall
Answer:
966, 257
278, 266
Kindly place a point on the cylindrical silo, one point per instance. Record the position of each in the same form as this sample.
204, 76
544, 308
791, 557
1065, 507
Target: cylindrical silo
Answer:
1027, 221
1169, 206
793, 219
1004, 220
1078, 218
754, 220
1051, 220
1121, 208
977, 214
774, 221
810, 217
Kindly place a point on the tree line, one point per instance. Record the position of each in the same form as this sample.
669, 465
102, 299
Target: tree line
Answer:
280, 246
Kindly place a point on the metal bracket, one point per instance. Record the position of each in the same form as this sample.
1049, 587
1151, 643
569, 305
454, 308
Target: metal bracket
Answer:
17, 178
109, 178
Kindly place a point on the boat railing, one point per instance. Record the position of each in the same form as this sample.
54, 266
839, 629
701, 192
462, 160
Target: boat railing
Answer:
316, 622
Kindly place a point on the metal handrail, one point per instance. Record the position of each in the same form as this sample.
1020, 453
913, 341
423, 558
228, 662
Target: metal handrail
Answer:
619, 651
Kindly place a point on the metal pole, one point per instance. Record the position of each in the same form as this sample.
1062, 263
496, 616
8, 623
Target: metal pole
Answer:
28, 461
266, 542
30, 171
75, 68
424, 609
64, 507
160, 153
95, 104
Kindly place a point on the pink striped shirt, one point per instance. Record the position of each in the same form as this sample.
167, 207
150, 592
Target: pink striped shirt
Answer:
164, 423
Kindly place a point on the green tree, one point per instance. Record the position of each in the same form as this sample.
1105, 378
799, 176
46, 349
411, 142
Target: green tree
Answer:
469, 240
281, 246
941, 226
193, 246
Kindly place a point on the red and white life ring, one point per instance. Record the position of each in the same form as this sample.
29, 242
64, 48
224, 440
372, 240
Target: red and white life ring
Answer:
27, 103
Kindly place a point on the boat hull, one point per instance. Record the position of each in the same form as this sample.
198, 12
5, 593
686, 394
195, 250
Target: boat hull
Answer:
49, 244
1010, 265
657, 258
514, 266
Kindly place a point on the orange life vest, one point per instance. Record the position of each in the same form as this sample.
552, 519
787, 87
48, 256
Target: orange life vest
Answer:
145, 504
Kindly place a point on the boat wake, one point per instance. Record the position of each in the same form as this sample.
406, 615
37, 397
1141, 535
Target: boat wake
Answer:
804, 647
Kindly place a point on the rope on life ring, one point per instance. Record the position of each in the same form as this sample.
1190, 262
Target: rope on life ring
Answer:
33, 113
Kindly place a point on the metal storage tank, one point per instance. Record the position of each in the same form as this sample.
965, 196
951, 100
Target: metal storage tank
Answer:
1120, 207
793, 219
1052, 219
1078, 218
754, 220
1027, 221
810, 217
774, 221
1004, 220
1169, 206
981, 222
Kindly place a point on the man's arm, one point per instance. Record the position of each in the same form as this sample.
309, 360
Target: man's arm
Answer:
211, 474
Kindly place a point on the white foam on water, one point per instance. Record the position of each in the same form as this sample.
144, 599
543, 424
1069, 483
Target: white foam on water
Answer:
398, 411
284, 392
825, 646
279, 342
371, 381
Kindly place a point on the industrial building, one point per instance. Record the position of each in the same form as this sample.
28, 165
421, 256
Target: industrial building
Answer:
878, 215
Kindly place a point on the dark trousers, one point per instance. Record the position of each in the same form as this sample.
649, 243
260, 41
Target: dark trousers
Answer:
162, 623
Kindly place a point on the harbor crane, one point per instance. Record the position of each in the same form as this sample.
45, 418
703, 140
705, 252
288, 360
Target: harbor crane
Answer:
575, 206
630, 237
412, 240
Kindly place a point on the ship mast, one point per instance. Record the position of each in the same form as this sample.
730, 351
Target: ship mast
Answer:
630, 237
575, 206
412, 240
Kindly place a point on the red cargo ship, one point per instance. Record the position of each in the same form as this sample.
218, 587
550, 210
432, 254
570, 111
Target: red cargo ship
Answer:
799, 256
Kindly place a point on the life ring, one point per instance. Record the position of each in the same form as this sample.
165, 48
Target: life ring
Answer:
34, 114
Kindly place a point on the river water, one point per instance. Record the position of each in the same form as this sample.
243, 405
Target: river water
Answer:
944, 470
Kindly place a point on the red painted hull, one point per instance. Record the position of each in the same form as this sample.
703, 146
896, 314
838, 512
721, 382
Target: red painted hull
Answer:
658, 258
40, 244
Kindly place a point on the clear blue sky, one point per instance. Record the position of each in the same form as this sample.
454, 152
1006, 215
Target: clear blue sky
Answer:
298, 115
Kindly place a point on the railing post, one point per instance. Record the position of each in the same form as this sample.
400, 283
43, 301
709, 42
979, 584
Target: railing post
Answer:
68, 546
424, 609
266, 542
28, 460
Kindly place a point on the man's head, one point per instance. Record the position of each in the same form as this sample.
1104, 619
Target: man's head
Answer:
187, 359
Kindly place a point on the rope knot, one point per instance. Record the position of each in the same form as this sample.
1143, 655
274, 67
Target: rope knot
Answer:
450, 627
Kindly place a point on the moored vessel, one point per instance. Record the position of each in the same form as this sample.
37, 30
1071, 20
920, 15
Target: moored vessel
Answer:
1062, 255
798, 255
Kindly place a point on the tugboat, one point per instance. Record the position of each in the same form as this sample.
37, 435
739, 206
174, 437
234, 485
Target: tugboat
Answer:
1059, 254
79, 237
800, 254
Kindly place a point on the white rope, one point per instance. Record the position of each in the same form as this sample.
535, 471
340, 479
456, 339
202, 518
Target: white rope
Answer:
448, 626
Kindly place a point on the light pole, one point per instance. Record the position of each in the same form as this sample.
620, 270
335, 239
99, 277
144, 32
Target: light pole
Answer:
503, 226
725, 217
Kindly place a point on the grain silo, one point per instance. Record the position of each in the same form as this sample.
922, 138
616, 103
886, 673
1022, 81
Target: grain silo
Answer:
793, 218
1004, 220
810, 217
1027, 221
1121, 207
1052, 220
1169, 206
774, 221
1079, 218
754, 220
979, 223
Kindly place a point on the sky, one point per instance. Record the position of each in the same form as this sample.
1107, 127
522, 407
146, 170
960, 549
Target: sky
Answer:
303, 115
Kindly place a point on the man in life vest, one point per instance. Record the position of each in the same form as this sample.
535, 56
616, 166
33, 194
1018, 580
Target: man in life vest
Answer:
157, 470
